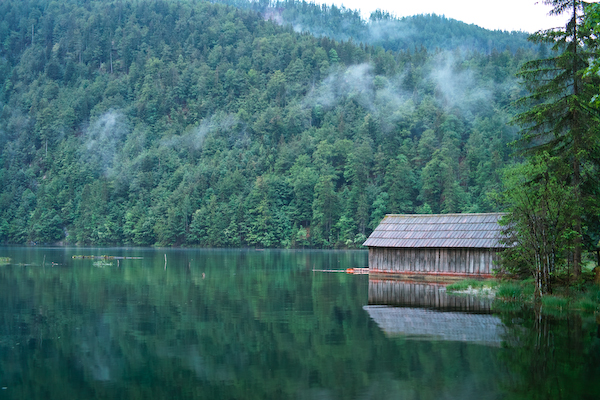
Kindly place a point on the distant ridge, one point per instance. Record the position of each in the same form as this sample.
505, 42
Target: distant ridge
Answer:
430, 31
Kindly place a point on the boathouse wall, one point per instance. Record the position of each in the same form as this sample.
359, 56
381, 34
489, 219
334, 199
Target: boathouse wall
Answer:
435, 261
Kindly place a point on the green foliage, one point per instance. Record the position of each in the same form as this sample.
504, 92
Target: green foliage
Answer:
560, 118
518, 295
509, 291
189, 123
382, 29
515, 291
538, 228
555, 302
591, 26
586, 305
588, 299
465, 284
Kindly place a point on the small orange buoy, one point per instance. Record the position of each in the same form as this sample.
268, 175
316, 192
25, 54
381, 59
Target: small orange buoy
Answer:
350, 270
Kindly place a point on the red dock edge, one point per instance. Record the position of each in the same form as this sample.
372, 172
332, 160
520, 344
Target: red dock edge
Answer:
430, 274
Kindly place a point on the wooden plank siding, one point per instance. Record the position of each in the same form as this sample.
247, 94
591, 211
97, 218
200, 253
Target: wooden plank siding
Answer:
449, 261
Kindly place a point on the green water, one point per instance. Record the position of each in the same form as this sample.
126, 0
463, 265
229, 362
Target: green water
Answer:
247, 324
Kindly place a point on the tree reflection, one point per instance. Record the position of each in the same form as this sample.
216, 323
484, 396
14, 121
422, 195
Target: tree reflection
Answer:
258, 325
551, 356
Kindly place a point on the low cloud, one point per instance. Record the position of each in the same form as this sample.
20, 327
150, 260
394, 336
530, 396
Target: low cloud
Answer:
194, 138
103, 139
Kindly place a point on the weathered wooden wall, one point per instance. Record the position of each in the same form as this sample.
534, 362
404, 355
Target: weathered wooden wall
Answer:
448, 261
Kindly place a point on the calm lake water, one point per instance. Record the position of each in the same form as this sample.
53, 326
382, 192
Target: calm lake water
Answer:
247, 324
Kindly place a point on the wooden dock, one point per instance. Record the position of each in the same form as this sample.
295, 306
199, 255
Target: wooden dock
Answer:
353, 271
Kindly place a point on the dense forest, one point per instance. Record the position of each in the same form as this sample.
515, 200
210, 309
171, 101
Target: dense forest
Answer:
383, 29
195, 123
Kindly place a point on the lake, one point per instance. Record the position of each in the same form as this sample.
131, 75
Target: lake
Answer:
153, 323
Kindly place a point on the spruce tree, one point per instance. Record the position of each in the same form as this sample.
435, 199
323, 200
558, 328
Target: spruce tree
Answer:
559, 117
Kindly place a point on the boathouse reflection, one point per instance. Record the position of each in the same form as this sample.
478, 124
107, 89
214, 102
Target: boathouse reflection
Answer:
427, 295
426, 311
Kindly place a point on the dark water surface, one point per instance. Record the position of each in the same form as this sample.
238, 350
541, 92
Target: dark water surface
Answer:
247, 324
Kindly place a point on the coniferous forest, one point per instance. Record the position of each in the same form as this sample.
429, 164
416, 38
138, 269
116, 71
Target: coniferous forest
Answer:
185, 122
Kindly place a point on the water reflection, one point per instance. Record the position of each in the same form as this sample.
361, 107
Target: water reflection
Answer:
422, 324
425, 311
241, 324
427, 295
551, 356
542, 356
215, 324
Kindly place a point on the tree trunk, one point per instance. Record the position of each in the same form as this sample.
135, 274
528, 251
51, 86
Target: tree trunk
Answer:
576, 145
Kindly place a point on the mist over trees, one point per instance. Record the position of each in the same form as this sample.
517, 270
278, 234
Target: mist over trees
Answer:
433, 32
192, 123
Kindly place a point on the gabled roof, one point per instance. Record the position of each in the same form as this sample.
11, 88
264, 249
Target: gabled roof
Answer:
438, 230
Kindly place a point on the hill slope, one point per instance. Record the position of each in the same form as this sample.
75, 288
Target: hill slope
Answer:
382, 29
191, 123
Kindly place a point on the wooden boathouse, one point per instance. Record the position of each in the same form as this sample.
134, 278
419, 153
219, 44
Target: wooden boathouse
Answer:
435, 244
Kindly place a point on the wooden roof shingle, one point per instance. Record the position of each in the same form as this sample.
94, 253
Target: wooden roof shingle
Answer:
438, 230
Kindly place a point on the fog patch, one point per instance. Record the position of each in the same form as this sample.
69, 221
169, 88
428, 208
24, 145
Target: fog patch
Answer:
457, 87
273, 14
445, 77
194, 138
355, 81
388, 30
103, 139
380, 95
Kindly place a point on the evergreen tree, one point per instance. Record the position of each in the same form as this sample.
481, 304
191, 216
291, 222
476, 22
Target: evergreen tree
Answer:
559, 119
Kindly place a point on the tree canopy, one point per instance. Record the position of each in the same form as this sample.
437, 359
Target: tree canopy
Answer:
433, 32
560, 138
191, 123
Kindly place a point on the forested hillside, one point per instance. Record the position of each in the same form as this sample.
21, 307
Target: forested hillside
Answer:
433, 32
191, 123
